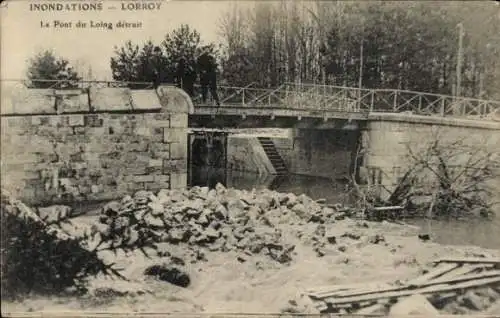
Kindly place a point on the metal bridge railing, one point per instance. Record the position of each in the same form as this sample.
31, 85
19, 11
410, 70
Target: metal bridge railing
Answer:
307, 97
391, 100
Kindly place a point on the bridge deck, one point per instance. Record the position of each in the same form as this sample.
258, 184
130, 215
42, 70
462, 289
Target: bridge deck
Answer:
303, 100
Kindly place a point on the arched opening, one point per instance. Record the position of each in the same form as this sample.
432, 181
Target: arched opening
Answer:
207, 159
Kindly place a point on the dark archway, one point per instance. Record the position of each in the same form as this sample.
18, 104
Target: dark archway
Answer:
207, 159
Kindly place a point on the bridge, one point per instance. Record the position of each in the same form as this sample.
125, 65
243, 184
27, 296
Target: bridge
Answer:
292, 100
139, 136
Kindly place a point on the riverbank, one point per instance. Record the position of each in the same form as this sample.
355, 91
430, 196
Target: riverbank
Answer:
255, 255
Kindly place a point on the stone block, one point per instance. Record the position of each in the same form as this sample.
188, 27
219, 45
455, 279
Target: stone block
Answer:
141, 146
174, 134
79, 130
57, 121
134, 170
93, 120
28, 101
173, 166
143, 178
72, 101
162, 154
178, 180
178, 150
179, 120
146, 99
40, 120
36, 144
157, 131
162, 178
155, 163
143, 131
134, 187
151, 186
30, 174
160, 123
76, 120
161, 116
110, 99
96, 188
154, 170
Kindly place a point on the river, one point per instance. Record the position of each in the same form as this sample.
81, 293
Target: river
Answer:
479, 232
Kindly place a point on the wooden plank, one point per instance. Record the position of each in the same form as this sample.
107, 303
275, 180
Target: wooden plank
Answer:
367, 288
432, 283
333, 288
463, 270
436, 272
476, 260
402, 293
463, 278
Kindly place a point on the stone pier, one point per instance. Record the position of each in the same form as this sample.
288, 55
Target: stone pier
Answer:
93, 144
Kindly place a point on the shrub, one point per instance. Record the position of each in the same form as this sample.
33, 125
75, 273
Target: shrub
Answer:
39, 256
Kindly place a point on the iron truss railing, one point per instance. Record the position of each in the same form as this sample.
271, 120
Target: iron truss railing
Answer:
350, 99
308, 97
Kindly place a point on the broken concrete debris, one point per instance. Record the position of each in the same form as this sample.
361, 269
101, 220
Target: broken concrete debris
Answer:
263, 229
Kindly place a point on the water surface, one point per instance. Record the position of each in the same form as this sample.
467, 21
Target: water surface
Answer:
480, 232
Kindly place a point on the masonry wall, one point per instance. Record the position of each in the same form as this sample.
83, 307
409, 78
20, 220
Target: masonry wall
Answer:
390, 145
245, 154
70, 157
320, 153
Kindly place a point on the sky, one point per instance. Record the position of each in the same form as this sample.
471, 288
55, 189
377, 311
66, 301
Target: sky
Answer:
22, 35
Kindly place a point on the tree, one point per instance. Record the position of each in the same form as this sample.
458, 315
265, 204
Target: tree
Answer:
47, 66
184, 42
406, 45
133, 63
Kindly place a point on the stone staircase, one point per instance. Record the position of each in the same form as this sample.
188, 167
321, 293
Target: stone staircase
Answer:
273, 155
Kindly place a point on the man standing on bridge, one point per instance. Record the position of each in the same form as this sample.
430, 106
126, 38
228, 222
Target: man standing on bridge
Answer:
207, 68
156, 65
185, 76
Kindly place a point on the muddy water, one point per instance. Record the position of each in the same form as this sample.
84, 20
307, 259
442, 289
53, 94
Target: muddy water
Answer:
480, 232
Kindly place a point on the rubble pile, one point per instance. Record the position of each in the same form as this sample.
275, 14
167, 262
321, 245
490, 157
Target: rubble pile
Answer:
259, 247
472, 301
220, 219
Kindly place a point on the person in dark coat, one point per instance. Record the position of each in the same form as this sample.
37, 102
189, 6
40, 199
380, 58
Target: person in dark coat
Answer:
208, 76
156, 67
185, 76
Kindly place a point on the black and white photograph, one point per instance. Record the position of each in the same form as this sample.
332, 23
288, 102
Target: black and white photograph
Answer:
283, 158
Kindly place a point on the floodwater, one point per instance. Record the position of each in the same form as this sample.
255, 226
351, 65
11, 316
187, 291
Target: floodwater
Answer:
479, 232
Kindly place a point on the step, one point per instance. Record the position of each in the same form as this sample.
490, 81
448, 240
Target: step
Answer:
273, 155
279, 163
276, 160
270, 149
279, 166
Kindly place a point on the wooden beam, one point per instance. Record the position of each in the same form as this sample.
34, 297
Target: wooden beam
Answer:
436, 272
408, 292
464, 269
476, 260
